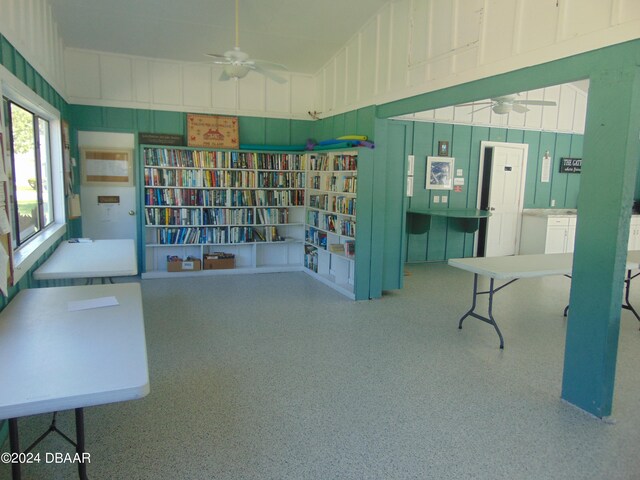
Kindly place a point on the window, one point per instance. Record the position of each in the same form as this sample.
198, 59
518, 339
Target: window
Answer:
30, 196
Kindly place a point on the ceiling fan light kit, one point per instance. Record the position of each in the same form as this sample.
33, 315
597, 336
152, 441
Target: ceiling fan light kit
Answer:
502, 108
236, 71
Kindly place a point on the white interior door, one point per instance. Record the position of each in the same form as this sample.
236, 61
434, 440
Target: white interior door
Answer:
506, 196
108, 210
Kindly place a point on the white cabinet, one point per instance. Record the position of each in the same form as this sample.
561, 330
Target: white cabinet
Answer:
634, 233
544, 233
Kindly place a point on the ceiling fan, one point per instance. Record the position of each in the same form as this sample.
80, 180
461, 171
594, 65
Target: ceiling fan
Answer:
237, 63
507, 103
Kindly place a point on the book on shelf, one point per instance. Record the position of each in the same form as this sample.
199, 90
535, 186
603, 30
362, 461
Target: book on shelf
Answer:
350, 248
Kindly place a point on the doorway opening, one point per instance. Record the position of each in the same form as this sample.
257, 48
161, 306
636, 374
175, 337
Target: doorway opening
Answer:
502, 174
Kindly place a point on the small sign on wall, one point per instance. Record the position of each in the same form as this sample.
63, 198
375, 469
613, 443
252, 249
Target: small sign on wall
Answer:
161, 139
570, 165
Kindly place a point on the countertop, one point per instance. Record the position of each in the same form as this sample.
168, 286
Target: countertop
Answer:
550, 212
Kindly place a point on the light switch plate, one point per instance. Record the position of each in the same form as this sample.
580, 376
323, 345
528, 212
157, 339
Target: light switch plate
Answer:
445, 198
436, 199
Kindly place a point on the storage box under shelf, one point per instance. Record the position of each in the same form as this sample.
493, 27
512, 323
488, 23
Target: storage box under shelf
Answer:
187, 265
216, 262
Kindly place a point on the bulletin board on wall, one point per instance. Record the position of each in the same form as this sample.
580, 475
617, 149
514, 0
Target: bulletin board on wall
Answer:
107, 166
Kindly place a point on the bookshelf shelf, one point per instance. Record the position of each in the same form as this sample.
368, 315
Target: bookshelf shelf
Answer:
199, 201
274, 211
330, 219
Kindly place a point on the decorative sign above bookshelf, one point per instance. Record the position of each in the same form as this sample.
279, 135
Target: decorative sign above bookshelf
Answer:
212, 131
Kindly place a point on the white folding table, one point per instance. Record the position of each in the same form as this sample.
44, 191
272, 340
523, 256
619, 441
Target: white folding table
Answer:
55, 359
94, 259
512, 268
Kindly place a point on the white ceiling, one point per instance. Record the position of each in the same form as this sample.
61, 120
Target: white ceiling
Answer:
300, 34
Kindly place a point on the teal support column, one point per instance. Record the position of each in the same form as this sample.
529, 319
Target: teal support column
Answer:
610, 160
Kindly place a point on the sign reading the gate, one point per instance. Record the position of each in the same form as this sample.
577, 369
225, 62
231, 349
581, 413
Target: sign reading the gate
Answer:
570, 165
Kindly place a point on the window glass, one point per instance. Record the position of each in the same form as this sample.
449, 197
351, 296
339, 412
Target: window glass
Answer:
30, 196
24, 173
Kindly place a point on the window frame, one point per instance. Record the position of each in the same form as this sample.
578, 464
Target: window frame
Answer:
30, 252
41, 224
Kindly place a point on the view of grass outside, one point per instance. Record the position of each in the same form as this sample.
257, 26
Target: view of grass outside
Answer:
22, 129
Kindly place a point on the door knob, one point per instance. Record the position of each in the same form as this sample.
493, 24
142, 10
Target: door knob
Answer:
132, 212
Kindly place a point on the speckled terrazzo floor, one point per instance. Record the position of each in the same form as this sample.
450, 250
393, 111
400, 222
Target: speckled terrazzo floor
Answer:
278, 377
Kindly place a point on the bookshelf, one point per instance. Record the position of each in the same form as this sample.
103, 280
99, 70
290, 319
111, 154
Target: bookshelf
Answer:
330, 219
199, 201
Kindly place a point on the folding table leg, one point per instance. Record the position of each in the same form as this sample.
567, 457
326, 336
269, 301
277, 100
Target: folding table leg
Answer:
14, 443
627, 286
82, 467
472, 313
473, 303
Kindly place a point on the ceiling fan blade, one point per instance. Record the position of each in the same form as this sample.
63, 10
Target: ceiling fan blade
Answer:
474, 104
535, 102
270, 65
269, 74
489, 104
215, 55
222, 62
519, 108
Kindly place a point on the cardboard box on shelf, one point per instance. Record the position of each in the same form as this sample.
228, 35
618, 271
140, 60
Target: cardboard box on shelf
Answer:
190, 264
219, 261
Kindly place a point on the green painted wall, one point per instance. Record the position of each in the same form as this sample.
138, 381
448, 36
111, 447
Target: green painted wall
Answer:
356, 122
443, 240
253, 130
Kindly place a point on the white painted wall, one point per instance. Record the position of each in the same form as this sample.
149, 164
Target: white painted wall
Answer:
417, 46
30, 27
105, 79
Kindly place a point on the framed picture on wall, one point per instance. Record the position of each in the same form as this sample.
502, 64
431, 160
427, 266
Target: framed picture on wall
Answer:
443, 149
439, 173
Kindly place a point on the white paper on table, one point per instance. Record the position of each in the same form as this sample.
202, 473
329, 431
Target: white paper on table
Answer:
5, 225
90, 303
4, 266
